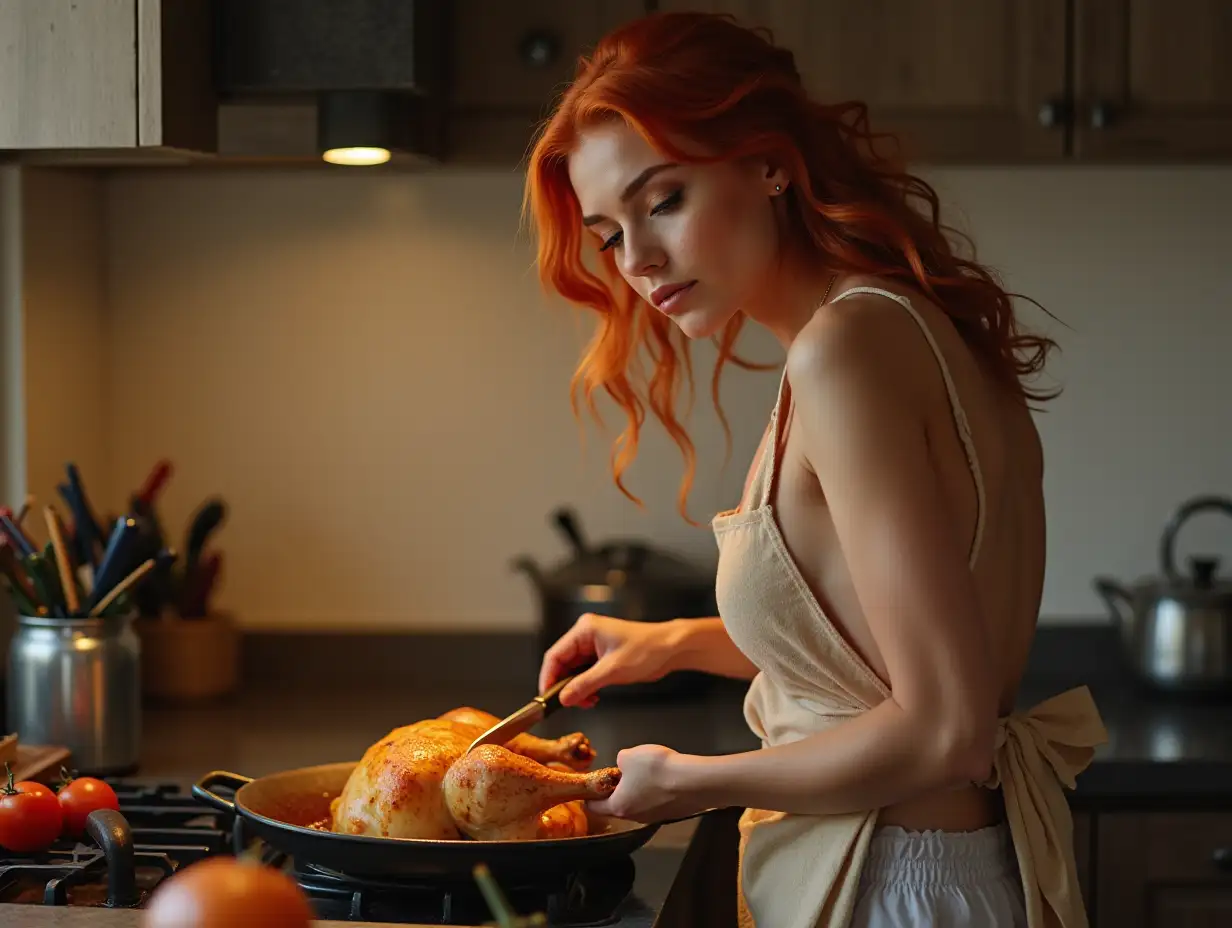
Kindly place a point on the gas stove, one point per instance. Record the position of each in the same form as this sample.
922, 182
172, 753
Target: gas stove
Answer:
161, 827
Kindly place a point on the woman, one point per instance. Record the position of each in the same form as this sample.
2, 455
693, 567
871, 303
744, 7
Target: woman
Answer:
880, 579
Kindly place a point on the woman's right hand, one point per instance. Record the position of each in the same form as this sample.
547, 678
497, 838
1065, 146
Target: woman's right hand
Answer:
622, 651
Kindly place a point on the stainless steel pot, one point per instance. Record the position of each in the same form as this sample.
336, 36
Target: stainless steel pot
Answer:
1176, 630
77, 682
624, 579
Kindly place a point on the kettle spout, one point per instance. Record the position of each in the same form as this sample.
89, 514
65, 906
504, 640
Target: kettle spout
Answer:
530, 568
1118, 600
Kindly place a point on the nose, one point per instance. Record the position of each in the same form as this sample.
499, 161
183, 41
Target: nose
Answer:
641, 255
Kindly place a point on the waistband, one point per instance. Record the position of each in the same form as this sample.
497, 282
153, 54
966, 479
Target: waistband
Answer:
936, 858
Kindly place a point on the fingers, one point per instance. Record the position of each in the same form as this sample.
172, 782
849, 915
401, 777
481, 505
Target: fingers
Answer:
601, 807
574, 647
583, 690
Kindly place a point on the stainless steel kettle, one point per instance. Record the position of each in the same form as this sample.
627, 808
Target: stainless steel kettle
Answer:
1176, 630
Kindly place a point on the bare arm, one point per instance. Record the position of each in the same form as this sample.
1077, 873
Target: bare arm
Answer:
619, 651
862, 424
704, 645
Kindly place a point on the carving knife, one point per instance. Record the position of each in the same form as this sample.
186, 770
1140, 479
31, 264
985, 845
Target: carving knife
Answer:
524, 718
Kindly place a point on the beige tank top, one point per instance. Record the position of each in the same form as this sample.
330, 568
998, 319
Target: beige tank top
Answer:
803, 871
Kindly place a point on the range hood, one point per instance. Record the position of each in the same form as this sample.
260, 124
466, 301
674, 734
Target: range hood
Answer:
369, 75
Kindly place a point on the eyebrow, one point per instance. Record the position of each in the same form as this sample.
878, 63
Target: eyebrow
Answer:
634, 186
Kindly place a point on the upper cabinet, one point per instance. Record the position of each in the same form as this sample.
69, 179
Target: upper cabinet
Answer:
959, 81
956, 80
1006, 81
105, 74
1153, 79
510, 60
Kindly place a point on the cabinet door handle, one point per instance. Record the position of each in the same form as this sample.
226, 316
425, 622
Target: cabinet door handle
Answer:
1222, 858
539, 48
1052, 113
1102, 114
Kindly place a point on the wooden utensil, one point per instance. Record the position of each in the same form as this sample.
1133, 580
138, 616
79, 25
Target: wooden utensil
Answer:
121, 587
68, 583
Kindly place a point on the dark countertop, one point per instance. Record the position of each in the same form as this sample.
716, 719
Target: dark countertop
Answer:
1160, 749
1155, 746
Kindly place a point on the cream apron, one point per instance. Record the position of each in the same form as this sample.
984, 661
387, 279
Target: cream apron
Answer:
803, 871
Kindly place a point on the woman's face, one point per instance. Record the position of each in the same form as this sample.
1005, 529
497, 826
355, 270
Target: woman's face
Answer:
697, 242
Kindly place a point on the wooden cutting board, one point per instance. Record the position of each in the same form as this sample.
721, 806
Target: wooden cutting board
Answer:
41, 762
38, 762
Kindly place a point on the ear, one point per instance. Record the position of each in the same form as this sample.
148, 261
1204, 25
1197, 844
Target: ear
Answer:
773, 176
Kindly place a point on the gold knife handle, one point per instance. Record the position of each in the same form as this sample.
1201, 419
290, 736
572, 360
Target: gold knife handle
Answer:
550, 699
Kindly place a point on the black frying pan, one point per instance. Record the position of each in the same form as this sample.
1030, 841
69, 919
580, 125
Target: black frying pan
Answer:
278, 809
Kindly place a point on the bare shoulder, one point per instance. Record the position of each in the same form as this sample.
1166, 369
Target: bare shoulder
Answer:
864, 348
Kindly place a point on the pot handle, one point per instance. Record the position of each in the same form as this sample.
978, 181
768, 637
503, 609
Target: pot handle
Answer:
1116, 598
202, 789
698, 814
1167, 544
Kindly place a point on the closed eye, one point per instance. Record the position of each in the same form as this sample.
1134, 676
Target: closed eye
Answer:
667, 204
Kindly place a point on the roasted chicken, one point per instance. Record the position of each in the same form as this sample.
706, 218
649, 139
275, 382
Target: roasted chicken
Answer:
417, 782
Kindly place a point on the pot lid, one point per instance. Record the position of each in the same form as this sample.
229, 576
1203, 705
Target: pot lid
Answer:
626, 563
615, 564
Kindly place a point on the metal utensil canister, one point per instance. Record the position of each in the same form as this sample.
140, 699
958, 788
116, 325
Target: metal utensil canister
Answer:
77, 683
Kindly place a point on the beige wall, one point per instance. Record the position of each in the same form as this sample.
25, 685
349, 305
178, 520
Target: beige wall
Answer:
66, 338
12, 338
365, 367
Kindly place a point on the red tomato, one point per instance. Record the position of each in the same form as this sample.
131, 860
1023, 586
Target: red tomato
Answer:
30, 815
223, 892
79, 797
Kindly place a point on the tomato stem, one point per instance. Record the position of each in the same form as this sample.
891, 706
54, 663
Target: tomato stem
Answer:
65, 778
9, 788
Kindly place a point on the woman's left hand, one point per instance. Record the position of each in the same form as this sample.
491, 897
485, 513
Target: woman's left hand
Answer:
649, 789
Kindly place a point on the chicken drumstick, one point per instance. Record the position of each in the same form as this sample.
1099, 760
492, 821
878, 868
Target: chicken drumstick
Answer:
496, 795
396, 790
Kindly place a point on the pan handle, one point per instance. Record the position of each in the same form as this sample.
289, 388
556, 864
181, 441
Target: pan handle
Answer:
202, 789
697, 814
700, 813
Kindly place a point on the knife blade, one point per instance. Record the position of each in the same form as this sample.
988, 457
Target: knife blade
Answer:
525, 718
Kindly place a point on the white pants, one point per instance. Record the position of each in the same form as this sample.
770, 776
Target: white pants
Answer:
937, 879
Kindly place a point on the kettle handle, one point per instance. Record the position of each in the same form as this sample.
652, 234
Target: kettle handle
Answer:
1167, 544
1118, 600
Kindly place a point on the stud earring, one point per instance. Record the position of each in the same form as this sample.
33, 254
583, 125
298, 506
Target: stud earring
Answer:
778, 188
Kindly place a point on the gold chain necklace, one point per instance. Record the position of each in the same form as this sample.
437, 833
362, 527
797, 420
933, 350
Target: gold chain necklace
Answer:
830, 286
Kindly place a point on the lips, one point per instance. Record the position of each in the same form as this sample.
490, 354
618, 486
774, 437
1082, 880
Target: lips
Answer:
663, 297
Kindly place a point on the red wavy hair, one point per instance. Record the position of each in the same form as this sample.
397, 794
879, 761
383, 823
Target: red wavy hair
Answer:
729, 89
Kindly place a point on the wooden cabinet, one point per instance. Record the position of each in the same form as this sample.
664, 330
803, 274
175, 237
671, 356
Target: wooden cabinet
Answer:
1163, 870
105, 74
1153, 79
510, 61
956, 80
959, 81
1083, 827
1003, 81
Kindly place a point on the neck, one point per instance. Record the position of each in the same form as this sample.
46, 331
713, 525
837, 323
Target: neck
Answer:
796, 288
